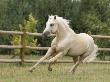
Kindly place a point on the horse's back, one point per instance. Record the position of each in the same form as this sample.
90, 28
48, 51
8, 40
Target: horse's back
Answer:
88, 39
85, 36
81, 43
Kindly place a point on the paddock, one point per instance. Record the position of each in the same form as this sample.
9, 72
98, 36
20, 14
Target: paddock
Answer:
88, 72
11, 70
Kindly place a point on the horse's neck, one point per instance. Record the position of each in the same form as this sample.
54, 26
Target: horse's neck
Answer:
63, 32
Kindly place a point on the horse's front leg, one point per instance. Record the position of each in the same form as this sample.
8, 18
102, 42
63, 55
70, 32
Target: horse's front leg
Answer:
49, 52
50, 64
53, 60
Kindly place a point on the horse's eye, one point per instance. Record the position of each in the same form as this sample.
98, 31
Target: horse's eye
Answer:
51, 25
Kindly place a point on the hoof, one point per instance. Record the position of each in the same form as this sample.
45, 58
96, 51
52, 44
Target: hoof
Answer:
49, 69
72, 72
31, 71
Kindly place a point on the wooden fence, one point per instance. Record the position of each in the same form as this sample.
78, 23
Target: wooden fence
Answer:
23, 46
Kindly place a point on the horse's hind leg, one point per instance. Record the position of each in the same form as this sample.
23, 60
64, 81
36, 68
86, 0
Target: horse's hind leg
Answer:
73, 68
75, 59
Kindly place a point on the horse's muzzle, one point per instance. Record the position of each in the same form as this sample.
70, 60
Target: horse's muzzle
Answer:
45, 34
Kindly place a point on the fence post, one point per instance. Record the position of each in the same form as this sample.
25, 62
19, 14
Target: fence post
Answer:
23, 44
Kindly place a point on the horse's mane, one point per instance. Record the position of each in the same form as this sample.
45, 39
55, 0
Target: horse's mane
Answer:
65, 22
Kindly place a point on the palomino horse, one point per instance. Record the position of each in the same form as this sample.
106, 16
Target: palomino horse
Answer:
80, 47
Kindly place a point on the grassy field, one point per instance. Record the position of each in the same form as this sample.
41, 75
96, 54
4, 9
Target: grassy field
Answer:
85, 73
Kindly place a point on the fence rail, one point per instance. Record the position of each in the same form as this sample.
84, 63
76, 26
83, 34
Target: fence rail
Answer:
21, 33
40, 34
38, 48
23, 46
46, 61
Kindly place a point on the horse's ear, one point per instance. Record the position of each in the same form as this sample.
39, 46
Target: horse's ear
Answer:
55, 17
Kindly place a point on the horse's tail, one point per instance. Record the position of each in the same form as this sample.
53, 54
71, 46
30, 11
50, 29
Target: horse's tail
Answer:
93, 55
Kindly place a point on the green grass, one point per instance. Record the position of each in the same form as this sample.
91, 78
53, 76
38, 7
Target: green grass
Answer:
84, 73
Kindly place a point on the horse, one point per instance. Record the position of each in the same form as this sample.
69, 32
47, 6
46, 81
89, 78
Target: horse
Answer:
80, 47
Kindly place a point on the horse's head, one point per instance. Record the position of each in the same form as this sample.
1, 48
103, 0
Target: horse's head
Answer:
51, 26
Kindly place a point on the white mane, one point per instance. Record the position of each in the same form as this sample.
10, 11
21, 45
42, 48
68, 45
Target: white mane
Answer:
65, 22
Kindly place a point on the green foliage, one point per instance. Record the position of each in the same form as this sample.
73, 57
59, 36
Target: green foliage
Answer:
16, 41
29, 25
90, 22
93, 16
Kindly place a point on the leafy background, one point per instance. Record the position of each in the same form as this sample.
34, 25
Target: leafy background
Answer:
85, 15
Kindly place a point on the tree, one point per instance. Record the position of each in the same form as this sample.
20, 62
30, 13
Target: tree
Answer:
30, 25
